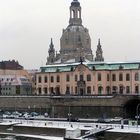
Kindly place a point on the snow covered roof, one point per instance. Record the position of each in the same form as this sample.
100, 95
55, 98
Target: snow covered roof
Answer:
92, 66
13, 80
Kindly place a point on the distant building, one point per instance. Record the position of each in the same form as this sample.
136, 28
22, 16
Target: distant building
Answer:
14, 80
75, 42
32, 75
15, 85
11, 65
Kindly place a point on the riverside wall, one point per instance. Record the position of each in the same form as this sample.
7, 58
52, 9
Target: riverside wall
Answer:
60, 106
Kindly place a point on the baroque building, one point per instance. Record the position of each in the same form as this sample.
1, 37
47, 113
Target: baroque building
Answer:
92, 78
75, 42
74, 71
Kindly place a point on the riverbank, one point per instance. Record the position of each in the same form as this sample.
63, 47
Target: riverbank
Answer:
57, 129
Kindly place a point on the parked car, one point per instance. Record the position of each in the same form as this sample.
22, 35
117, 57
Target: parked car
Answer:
33, 114
46, 115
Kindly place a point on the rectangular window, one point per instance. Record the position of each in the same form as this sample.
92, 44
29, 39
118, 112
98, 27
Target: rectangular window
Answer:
136, 89
99, 77
45, 79
51, 90
75, 89
88, 90
88, 77
76, 79
67, 78
113, 77
108, 77
127, 77
58, 78
136, 76
46, 90
39, 79
52, 79
120, 77
81, 78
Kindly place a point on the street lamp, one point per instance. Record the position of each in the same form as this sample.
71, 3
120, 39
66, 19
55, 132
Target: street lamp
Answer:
137, 112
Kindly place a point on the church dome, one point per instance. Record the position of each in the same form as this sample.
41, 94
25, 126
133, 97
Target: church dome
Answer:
75, 41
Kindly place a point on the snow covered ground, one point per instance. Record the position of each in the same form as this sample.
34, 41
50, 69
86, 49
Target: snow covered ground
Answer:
66, 125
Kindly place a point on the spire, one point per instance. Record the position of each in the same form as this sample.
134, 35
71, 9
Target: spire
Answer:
51, 49
99, 52
51, 52
99, 44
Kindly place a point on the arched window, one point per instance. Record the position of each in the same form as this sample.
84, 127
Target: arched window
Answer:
67, 90
88, 90
100, 89
52, 90
73, 14
107, 90
121, 89
114, 89
57, 89
88, 77
136, 89
78, 14
136, 76
45, 90
39, 90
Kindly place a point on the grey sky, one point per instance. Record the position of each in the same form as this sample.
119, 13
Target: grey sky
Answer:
26, 27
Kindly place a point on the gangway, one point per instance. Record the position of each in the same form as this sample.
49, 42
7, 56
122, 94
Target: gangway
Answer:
93, 132
90, 133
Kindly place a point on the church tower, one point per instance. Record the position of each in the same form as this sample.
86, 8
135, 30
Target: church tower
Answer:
99, 52
51, 52
75, 13
75, 41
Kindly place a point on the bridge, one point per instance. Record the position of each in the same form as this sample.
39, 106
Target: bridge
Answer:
85, 106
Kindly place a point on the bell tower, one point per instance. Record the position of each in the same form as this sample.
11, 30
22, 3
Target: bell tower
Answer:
75, 13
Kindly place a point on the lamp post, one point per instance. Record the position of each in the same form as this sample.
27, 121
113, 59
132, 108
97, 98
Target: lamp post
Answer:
137, 112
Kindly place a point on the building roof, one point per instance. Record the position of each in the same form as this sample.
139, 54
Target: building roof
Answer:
13, 80
91, 66
10, 65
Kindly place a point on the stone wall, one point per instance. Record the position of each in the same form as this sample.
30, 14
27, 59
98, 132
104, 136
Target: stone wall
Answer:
93, 106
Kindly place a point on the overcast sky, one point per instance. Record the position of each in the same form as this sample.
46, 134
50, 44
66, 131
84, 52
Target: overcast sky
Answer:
26, 27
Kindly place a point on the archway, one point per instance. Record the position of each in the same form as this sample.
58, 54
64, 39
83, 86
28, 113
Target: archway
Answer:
129, 109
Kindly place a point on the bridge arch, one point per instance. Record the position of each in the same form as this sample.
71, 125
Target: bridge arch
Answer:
129, 109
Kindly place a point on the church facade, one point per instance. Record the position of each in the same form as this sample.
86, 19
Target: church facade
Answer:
75, 71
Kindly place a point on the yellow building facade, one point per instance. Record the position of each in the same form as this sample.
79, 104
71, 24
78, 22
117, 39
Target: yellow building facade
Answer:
91, 78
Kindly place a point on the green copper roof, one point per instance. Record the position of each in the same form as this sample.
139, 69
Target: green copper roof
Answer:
92, 66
